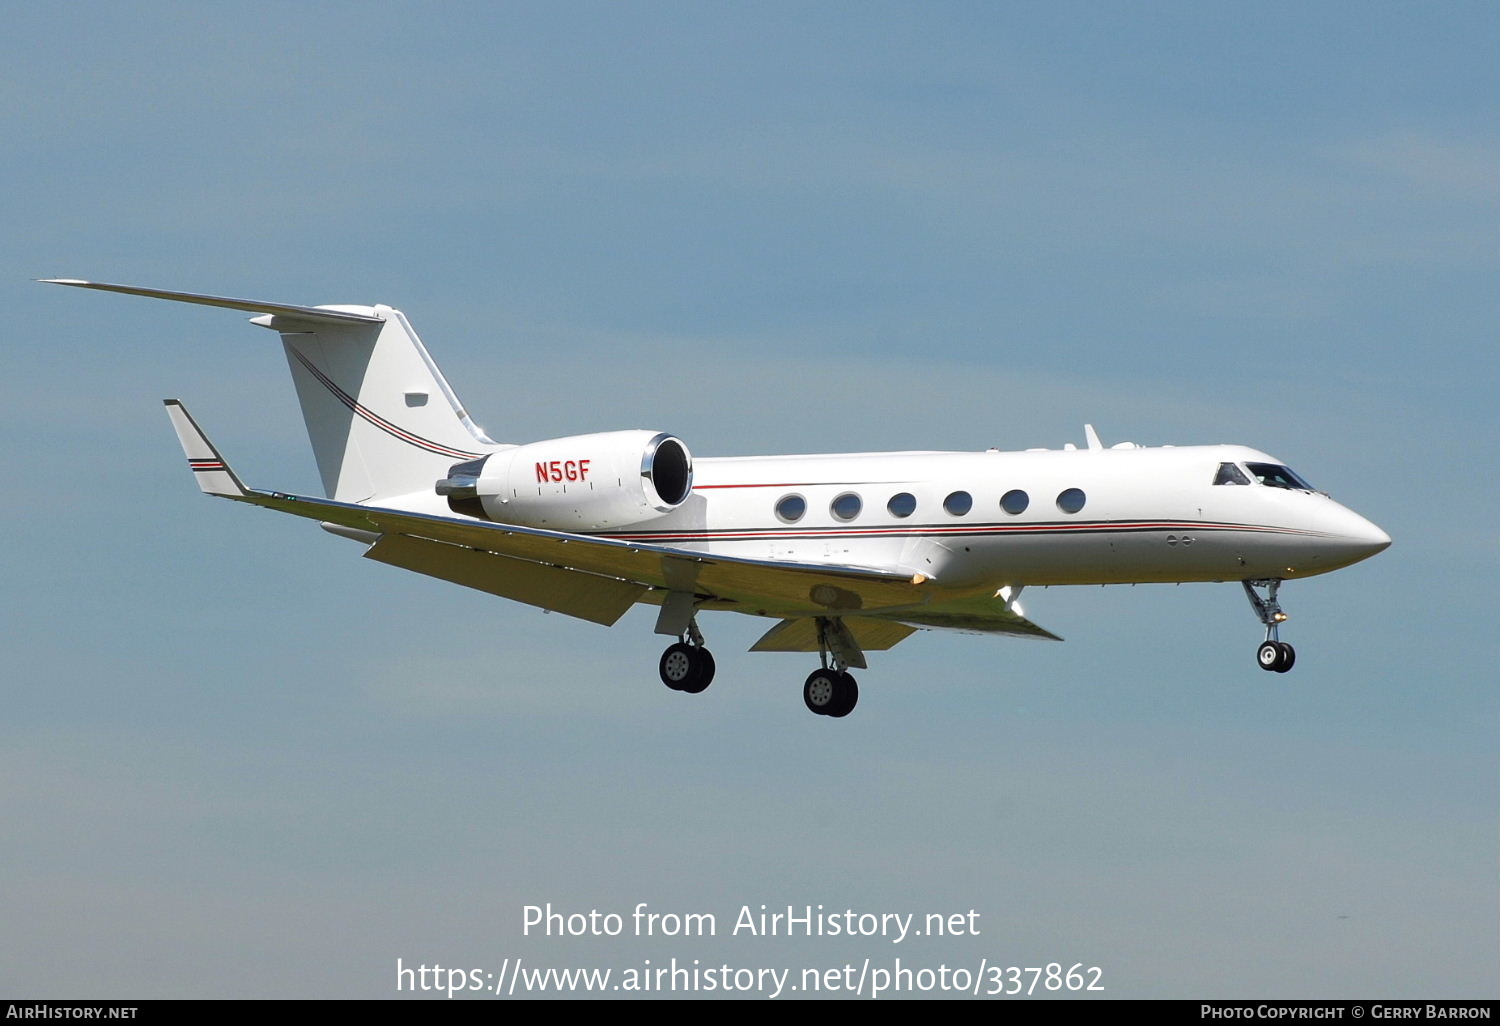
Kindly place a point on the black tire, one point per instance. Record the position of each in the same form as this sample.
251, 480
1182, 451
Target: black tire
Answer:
847, 698
679, 667
705, 675
820, 693
1268, 656
1288, 656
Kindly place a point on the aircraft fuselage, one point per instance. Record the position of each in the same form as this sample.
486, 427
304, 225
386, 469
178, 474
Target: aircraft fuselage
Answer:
1084, 516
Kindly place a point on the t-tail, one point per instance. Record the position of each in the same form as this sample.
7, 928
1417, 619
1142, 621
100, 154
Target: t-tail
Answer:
382, 419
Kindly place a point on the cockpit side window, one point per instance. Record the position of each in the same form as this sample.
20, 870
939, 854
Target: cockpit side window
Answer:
1229, 474
1277, 476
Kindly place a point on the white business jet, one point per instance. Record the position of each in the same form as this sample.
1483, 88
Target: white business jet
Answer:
849, 553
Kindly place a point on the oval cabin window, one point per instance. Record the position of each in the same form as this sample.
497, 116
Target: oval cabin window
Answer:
1015, 501
958, 503
789, 508
846, 506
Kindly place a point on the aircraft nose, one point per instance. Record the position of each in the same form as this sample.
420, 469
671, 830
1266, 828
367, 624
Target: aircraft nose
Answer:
1377, 540
1359, 538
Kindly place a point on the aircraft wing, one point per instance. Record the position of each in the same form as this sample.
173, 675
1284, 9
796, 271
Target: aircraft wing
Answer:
599, 578
755, 586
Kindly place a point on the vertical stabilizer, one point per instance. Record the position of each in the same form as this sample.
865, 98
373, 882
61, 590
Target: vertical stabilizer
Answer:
382, 420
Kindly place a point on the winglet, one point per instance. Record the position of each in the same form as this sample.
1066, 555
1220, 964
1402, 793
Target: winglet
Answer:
213, 474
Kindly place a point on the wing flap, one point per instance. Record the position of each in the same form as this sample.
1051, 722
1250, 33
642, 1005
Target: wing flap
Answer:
801, 635
602, 600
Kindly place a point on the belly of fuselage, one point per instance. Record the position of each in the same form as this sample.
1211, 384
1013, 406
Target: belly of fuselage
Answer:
1119, 553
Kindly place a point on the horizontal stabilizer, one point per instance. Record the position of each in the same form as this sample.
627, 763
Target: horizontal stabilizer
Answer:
213, 474
313, 314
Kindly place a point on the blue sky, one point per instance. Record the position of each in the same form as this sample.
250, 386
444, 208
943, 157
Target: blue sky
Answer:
237, 760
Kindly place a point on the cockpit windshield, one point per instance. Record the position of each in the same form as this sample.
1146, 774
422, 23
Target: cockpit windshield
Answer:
1277, 476
1229, 474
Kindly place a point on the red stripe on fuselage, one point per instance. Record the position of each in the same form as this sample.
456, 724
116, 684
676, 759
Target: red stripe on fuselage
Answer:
1096, 526
800, 484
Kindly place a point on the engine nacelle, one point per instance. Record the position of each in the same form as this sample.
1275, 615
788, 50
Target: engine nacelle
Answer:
583, 482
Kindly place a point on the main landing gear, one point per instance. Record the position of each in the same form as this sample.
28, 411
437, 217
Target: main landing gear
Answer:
1273, 654
830, 691
687, 665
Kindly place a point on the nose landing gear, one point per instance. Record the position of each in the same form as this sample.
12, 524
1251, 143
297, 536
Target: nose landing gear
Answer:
1276, 655
1273, 654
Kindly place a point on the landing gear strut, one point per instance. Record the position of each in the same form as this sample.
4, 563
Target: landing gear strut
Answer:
830, 691
1273, 654
687, 665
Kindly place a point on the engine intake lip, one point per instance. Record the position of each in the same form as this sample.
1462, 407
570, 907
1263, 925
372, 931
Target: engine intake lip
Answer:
667, 468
